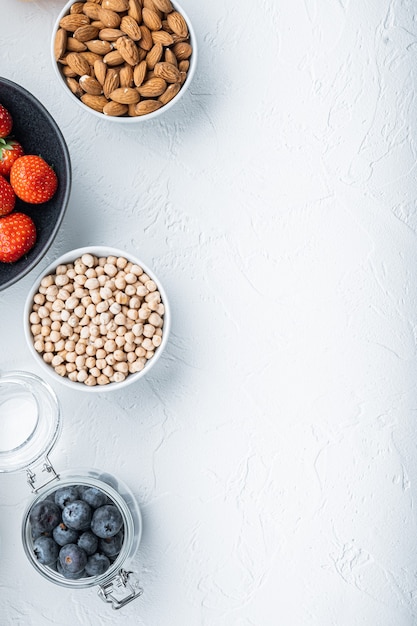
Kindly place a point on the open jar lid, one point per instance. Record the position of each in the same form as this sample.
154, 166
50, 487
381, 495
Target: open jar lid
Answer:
30, 420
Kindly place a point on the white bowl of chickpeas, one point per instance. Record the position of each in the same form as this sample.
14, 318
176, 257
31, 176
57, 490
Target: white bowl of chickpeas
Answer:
124, 60
97, 319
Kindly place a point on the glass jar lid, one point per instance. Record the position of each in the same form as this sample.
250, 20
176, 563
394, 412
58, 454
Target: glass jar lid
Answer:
30, 420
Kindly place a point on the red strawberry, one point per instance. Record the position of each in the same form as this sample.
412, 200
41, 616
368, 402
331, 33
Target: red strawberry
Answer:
7, 197
17, 236
10, 150
6, 122
32, 179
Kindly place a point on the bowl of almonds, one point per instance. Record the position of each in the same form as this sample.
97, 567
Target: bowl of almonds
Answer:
124, 60
97, 319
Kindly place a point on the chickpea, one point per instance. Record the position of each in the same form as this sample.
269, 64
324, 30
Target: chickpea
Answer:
110, 269
156, 340
82, 376
39, 298
118, 377
61, 280
39, 345
88, 260
35, 329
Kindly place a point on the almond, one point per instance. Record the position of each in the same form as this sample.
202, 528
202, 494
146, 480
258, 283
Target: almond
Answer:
168, 72
148, 4
73, 21
110, 34
113, 58
125, 95
85, 33
74, 86
177, 38
68, 72
77, 7
126, 76
162, 37
77, 63
163, 5
94, 102
128, 50
146, 41
152, 88
177, 24
166, 27
130, 26
90, 85
170, 57
142, 54
169, 93
135, 10
110, 19
184, 66
139, 73
151, 19
154, 55
99, 46
182, 50
91, 9
60, 43
73, 45
112, 81
100, 71
147, 106
91, 57
116, 5
98, 24
115, 109
131, 110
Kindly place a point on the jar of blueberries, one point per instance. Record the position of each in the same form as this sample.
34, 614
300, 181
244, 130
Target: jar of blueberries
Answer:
82, 528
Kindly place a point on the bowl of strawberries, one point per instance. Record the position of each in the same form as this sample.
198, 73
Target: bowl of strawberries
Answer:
35, 181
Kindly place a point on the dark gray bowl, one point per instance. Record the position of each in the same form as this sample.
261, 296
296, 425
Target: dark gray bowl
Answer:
39, 134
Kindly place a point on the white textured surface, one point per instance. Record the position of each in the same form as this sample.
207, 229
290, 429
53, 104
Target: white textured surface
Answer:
273, 447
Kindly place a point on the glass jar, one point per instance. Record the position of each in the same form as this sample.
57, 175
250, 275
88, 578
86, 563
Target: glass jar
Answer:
30, 424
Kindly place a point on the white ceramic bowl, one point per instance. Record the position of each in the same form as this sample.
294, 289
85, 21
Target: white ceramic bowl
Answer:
70, 257
124, 120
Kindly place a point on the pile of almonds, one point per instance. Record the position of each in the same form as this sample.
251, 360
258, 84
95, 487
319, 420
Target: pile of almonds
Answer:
97, 320
123, 57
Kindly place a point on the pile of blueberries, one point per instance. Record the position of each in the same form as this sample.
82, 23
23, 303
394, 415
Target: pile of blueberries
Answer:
77, 531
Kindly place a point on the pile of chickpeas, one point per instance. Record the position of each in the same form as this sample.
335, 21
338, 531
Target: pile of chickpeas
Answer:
97, 320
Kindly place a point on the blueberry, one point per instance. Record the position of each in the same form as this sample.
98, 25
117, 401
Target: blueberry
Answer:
65, 495
37, 532
82, 489
94, 497
72, 558
44, 516
106, 521
88, 542
63, 535
46, 550
112, 545
77, 515
97, 564
50, 496
71, 575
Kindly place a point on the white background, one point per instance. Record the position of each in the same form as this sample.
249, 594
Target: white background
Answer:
272, 449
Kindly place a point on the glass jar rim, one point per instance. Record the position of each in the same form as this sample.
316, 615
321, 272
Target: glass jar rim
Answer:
20, 391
